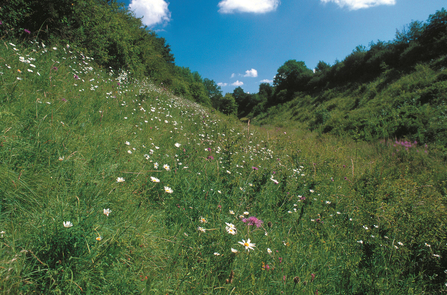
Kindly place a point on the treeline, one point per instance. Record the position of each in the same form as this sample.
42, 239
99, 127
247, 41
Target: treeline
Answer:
416, 43
107, 31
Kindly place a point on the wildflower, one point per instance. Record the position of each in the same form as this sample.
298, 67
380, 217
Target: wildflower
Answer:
107, 211
27, 31
247, 244
127, 143
155, 165
154, 179
147, 156
231, 212
230, 228
18, 70
98, 238
61, 158
220, 193
253, 221
360, 242
254, 168
437, 255
246, 213
400, 243
269, 251
68, 224
2, 233
177, 144
168, 190
234, 250
428, 245
216, 254
166, 167
201, 229
129, 152
203, 220
229, 172
120, 179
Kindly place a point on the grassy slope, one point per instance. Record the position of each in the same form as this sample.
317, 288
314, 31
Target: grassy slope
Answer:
339, 217
395, 105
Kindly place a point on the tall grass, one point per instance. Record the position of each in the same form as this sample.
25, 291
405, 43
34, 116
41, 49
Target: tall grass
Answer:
118, 187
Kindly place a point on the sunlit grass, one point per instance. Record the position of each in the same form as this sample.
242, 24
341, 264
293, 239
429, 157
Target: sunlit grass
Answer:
117, 187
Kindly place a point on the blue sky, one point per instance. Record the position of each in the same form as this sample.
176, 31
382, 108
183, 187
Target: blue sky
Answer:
244, 42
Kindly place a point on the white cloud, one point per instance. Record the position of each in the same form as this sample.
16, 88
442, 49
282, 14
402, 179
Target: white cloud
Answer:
251, 73
251, 6
232, 75
266, 81
222, 84
153, 11
238, 83
358, 4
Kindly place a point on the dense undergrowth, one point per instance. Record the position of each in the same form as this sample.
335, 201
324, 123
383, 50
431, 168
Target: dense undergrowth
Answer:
115, 186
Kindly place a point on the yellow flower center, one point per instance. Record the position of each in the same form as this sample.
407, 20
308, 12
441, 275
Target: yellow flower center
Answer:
246, 244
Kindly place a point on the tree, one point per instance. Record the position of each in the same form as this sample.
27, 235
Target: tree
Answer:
213, 91
228, 105
293, 76
322, 66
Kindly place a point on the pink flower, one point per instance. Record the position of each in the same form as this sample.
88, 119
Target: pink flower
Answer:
253, 221
27, 31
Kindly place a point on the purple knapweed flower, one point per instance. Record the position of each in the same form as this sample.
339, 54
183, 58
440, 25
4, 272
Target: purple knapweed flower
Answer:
76, 77
253, 221
63, 99
27, 31
210, 158
54, 68
254, 168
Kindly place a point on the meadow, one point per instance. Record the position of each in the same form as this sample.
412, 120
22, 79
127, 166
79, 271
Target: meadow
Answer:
112, 185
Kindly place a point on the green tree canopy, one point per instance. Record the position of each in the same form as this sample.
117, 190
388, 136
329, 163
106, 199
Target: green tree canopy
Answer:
292, 75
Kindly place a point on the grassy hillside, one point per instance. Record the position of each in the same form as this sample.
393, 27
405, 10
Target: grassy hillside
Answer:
398, 104
112, 186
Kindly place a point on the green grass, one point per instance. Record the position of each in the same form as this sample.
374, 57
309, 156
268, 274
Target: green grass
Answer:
338, 216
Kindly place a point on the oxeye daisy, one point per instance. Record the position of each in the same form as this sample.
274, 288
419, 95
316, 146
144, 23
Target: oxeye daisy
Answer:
247, 244
166, 167
120, 179
168, 190
203, 220
107, 211
154, 179
68, 224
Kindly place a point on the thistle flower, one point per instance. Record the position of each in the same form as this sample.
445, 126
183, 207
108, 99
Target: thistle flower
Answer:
253, 221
